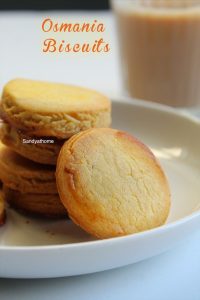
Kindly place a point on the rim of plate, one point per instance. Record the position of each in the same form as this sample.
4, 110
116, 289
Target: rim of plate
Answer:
181, 113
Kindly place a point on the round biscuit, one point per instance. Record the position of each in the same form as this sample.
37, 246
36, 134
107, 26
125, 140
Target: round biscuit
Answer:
111, 184
53, 109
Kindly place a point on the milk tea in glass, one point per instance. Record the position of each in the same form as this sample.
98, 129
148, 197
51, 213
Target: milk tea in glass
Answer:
160, 49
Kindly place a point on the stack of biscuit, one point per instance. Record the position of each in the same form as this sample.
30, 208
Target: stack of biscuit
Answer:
29, 186
38, 117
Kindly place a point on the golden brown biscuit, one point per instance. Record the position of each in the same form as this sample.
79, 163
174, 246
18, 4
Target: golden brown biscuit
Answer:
52, 109
44, 152
111, 184
44, 205
21, 174
2, 209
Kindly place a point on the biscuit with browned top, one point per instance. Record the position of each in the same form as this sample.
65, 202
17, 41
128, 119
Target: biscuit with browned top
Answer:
53, 109
111, 184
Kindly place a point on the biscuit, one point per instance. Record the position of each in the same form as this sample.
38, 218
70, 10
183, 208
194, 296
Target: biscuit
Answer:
111, 184
52, 109
2, 210
43, 205
44, 153
23, 175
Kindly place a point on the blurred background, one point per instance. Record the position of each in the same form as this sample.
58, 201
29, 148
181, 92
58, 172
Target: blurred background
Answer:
22, 39
52, 4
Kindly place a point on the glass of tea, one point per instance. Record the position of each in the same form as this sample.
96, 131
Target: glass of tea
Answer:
160, 49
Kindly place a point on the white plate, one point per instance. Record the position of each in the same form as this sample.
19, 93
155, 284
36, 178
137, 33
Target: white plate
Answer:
31, 248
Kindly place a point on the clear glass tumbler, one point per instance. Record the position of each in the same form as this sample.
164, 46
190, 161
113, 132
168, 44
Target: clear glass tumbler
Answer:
160, 49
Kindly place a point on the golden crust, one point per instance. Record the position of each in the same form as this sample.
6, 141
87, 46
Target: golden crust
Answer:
41, 153
52, 109
111, 184
43, 205
2, 209
21, 174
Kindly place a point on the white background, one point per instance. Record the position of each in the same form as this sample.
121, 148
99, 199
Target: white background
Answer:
21, 51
